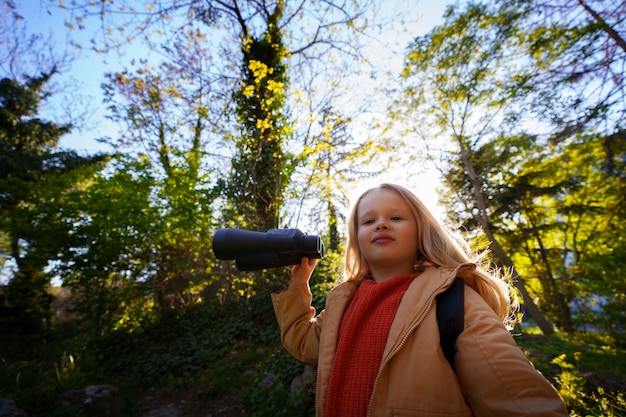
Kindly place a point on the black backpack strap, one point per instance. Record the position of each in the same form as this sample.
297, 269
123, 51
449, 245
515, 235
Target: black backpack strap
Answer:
450, 315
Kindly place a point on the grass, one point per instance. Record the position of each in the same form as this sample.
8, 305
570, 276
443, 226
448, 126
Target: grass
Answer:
233, 351
588, 369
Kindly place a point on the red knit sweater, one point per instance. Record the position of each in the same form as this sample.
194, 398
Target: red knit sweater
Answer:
362, 338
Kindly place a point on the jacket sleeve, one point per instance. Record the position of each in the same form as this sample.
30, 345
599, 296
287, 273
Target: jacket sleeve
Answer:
496, 377
299, 328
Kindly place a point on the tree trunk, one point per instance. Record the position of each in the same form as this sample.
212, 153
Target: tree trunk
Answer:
496, 248
520, 284
566, 319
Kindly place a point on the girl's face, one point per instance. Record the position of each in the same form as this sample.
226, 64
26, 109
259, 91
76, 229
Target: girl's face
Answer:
387, 234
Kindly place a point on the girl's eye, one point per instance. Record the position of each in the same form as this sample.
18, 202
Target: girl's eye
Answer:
368, 221
394, 218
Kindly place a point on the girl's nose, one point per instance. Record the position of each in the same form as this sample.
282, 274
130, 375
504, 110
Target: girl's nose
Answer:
381, 226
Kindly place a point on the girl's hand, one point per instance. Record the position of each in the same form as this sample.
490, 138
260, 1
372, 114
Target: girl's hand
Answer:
300, 274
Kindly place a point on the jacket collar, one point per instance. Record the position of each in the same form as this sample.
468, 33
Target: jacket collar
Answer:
418, 300
416, 303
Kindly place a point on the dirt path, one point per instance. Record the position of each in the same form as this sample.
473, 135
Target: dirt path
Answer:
187, 405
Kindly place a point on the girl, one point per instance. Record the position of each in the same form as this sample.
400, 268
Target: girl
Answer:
376, 344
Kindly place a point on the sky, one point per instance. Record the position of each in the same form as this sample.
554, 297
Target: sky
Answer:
87, 73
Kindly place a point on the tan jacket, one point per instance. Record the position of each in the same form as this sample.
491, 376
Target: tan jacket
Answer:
493, 377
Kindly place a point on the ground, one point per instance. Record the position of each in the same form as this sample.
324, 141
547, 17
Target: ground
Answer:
186, 405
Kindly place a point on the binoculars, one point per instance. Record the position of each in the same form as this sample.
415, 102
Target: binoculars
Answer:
253, 251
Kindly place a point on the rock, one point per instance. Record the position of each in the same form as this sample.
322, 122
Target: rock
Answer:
268, 379
306, 381
168, 411
9, 409
95, 400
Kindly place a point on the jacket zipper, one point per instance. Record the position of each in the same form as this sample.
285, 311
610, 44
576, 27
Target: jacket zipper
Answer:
402, 342
318, 412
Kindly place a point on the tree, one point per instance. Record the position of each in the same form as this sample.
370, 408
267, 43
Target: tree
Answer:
273, 37
109, 262
458, 86
33, 178
490, 73
274, 40
168, 117
246, 93
261, 168
331, 158
572, 82
569, 213
576, 54
35, 174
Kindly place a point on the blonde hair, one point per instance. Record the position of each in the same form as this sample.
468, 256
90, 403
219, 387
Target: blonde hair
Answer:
436, 245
